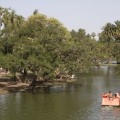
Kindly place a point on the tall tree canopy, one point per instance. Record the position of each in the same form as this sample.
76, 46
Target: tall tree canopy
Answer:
111, 34
43, 46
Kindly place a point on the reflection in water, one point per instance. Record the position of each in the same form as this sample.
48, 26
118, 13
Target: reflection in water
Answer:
117, 70
77, 101
110, 113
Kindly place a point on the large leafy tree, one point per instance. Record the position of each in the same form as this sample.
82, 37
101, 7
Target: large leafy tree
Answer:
83, 50
43, 46
39, 45
10, 23
111, 34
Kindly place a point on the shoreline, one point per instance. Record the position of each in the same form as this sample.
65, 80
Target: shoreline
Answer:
6, 87
2, 91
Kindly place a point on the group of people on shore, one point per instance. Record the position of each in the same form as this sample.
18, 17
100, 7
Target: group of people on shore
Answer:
110, 95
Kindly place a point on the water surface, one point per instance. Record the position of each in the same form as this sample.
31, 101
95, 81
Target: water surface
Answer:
78, 101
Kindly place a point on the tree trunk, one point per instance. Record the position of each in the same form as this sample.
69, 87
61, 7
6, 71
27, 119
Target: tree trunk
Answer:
24, 75
14, 77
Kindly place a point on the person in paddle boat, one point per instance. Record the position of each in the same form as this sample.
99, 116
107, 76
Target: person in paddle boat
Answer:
108, 95
115, 96
104, 95
118, 94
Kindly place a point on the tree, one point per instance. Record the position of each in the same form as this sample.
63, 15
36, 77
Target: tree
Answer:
36, 11
107, 36
117, 41
108, 32
39, 45
116, 52
111, 34
82, 51
93, 35
117, 31
10, 24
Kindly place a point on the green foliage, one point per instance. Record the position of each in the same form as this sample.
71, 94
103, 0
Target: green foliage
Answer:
39, 43
83, 50
111, 36
43, 46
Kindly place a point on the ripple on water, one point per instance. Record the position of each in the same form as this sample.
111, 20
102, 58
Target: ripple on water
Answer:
96, 112
3, 106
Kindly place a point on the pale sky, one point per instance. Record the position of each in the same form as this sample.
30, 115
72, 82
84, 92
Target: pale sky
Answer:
90, 15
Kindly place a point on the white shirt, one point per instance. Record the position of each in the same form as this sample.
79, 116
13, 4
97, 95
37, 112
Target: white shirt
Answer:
118, 95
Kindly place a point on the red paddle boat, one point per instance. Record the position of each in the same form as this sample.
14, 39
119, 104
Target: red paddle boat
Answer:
106, 101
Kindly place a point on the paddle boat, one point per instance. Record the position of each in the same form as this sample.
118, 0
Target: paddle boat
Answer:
106, 101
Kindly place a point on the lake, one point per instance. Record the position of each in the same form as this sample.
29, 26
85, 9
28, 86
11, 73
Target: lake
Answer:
77, 101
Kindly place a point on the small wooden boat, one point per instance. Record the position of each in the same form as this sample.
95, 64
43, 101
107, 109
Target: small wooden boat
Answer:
110, 101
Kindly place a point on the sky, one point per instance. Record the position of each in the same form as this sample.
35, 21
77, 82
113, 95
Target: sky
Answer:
90, 15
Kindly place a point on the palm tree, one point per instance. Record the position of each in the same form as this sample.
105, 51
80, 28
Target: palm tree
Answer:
108, 32
117, 30
117, 41
107, 36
